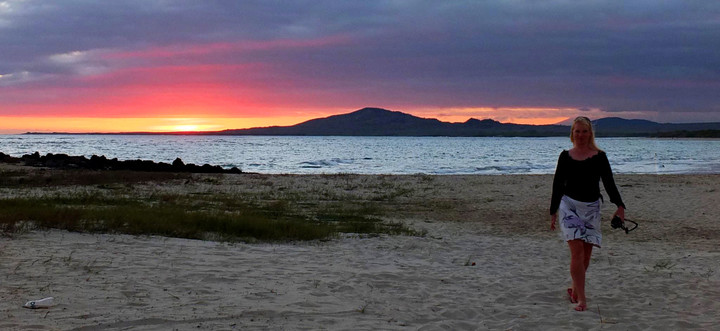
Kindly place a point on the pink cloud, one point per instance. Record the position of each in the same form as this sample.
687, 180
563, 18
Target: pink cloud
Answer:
227, 47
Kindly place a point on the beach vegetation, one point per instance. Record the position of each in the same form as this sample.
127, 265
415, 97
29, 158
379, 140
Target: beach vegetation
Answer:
707, 274
158, 204
187, 217
603, 320
663, 266
41, 177
468, 262
363, 308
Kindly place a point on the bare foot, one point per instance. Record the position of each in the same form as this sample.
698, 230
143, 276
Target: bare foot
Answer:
572, 296
581, 307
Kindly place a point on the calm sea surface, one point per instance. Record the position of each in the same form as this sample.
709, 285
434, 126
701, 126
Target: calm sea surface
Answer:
378, 155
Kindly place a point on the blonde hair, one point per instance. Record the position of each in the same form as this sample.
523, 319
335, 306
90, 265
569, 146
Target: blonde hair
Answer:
586, 121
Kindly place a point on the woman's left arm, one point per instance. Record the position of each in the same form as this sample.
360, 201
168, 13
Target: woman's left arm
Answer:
609, 182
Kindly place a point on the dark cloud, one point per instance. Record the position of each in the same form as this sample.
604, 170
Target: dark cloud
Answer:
629, 56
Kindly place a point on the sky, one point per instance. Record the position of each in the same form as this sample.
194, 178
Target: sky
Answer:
161, 65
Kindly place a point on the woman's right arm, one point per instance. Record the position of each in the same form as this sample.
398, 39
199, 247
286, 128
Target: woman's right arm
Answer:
558, 186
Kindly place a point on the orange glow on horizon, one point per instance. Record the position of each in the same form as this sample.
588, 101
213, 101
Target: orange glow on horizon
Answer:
186, 128
16, 125
515, 120
538, 121
195, 123
532, 116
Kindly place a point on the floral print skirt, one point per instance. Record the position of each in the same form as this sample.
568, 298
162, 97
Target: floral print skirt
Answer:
580, 220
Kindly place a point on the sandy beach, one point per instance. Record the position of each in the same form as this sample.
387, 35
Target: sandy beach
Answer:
487, 261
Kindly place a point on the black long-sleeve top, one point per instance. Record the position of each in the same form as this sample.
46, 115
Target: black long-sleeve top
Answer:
580, 180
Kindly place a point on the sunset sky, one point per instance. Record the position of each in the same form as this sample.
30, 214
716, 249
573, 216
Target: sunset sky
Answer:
151, 65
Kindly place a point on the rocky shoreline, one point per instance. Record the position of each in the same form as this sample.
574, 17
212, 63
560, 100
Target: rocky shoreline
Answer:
64, 161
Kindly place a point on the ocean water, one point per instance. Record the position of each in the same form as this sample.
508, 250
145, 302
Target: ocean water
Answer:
378, 155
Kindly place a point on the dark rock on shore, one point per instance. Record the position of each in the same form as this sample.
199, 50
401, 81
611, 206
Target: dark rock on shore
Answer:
95, 162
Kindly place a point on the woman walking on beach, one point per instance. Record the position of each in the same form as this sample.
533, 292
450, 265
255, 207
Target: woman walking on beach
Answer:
576, 197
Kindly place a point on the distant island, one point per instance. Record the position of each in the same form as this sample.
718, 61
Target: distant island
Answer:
383, 122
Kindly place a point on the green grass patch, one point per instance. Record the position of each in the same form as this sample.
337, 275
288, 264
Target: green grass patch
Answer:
195, 217
360, 218
183, 205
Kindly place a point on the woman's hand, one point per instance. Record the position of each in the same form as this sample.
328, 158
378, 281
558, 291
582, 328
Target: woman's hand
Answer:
553, 219
620, 213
